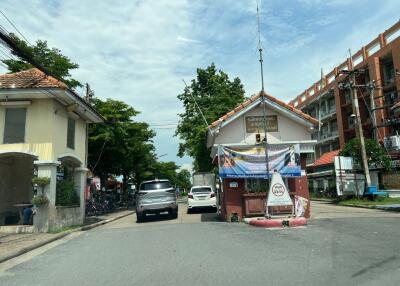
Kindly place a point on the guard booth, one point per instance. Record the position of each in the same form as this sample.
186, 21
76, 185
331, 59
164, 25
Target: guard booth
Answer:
238, 147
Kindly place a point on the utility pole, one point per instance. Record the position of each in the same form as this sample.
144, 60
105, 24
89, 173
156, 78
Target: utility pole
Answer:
260, 50
371, 87
359, 129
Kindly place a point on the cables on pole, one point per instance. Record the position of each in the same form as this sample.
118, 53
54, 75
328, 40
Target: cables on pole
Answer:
195, 102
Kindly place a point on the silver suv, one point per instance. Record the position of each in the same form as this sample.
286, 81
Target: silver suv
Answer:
156, 196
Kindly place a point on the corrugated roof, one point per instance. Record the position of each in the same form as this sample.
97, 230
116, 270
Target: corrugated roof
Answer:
32, 78
269, 97
326, 158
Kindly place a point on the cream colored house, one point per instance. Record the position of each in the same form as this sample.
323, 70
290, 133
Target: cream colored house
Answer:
43, 129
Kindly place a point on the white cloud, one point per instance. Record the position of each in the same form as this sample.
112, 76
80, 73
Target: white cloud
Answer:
139, 51
187, 40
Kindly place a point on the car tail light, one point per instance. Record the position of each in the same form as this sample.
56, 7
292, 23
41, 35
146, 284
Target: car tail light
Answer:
190, 196
212, 195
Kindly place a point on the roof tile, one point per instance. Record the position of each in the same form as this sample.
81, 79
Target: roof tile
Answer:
326, 158
32, 78
255, 97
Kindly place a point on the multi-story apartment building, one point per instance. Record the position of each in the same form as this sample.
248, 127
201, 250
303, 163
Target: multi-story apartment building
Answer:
325, 100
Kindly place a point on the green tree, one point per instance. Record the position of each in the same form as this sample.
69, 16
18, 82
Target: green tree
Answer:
51, 58
376, 154
121, 146
183, 180
216, 95
165, 170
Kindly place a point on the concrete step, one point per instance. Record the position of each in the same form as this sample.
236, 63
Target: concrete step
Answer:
16, 229
394, 193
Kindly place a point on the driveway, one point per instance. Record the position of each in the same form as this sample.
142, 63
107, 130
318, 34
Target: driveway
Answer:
334, 249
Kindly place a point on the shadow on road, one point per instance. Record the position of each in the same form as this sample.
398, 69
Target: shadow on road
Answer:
207, 214
156, 217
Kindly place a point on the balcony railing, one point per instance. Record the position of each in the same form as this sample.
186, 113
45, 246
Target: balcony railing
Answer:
360, 57
324, 135
330, 111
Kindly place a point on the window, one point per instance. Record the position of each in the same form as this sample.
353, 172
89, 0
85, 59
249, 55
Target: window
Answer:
71, 133
256, 185
334, 126
155, 185
14, 126
201, 190
389, 73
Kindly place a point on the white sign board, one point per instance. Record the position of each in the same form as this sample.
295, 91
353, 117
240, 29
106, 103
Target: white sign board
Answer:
348, 182
278, 194
233, 184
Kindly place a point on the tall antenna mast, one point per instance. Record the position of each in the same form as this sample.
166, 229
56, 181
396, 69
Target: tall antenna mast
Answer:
260, 50
263, 99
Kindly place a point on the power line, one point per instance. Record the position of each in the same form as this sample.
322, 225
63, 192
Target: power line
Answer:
195, 102
12, 24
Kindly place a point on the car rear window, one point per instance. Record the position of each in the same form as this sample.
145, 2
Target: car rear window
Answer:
155, 186
201, 190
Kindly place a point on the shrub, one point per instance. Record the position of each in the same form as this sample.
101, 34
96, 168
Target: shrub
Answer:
66, 194
40, 200
41, 181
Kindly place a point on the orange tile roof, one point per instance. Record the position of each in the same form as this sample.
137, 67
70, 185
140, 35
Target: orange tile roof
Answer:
32, 78
326, 158
271, 98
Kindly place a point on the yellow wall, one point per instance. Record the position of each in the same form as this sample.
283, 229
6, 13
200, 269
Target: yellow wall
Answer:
60, 126
46, 131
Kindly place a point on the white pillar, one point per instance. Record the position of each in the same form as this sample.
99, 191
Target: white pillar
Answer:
45, 215
80, 176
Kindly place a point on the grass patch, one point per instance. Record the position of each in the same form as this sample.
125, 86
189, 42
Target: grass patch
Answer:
65, 228
367, 202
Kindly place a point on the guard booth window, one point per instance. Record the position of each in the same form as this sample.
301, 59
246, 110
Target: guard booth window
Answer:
14, 126
254, 185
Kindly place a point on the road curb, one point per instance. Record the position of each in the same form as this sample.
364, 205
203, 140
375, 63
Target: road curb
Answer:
373, 207
61, 235
96, 224
322, 200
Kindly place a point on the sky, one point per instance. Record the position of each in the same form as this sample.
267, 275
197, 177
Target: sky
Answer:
139, 51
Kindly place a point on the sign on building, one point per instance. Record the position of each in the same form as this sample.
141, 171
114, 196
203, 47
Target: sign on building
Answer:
255, 124
250, 162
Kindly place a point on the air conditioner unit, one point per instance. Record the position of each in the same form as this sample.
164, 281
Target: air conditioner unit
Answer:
395, 141
392, 142
387, 143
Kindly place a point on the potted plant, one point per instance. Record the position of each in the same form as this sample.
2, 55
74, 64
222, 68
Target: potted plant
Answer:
41, 181
39, 200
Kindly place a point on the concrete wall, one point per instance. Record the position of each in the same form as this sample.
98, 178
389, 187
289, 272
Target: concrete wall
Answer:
37, 135
59, 139
288, 130
66, 216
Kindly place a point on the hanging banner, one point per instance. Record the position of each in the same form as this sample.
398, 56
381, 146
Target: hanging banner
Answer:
278, 194
250, 162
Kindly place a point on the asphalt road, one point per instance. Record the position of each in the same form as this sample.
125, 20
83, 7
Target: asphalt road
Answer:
340, 246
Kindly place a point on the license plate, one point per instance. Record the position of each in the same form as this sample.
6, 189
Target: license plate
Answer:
202, 198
